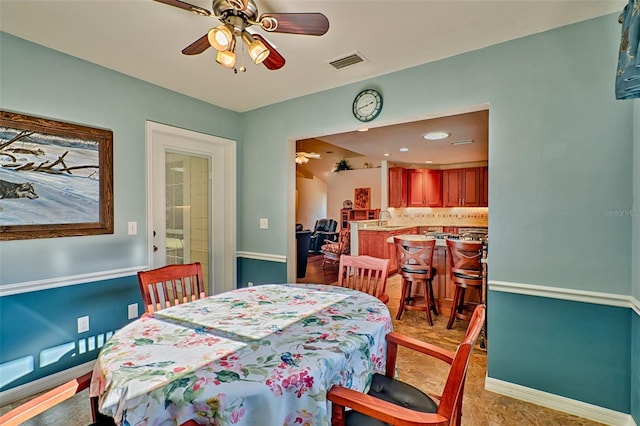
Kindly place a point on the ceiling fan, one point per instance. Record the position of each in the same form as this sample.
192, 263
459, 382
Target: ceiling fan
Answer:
236, 16
303, 157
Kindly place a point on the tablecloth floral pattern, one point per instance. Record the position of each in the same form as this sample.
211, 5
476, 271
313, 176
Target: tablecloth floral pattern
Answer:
264, 355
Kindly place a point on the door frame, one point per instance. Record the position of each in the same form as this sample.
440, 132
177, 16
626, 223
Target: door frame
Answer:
223, 263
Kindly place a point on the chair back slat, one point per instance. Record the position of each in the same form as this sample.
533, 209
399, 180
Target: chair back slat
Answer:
171, 285
364, 273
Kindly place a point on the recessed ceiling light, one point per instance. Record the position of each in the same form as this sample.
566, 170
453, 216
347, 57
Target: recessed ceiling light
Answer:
386, 154
462, 142
364, 129
435, 136
404, 149
429, 162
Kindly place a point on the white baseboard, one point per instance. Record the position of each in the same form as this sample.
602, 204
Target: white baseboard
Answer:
559, 403
45, 383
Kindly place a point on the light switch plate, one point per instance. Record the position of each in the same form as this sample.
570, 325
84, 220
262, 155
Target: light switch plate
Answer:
264, 223
132, 228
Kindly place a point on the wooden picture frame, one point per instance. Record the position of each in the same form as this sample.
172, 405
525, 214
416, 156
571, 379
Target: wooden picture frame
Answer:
362, 199
56, 178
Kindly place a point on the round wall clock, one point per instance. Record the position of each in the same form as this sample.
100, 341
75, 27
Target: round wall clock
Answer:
367, 105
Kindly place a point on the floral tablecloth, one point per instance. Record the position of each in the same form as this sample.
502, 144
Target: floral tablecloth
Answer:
264, 355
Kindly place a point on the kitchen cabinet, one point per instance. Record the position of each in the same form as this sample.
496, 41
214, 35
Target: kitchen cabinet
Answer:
374, 243
462, 187
347, 215
484, 189
424, 188
397, 187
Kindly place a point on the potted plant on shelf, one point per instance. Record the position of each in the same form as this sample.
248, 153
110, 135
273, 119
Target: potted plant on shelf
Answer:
342, 165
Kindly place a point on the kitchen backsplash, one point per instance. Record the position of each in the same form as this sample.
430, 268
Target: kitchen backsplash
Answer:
446, 216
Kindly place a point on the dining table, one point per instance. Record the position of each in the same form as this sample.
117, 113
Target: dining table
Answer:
264, 355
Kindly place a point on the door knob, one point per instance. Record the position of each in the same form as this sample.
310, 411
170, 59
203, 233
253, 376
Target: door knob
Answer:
155, 248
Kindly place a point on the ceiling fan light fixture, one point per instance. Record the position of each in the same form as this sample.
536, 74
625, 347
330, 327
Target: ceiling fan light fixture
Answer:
220, 38
256, 48
301, 159
226, 58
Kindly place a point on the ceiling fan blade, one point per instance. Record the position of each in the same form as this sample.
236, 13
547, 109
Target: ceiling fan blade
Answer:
295, 23
275, 60
186, 6
198, 46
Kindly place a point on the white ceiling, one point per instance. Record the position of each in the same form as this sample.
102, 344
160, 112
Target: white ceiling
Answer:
144, 39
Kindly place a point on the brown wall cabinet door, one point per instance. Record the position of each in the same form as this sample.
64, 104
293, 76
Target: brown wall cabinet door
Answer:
484, 198
425, 188
462, 187
397, 187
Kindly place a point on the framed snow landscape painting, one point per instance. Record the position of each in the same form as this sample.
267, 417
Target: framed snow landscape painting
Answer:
56, 178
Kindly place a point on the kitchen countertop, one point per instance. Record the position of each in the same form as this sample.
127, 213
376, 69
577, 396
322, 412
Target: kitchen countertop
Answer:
370, 227
440, 242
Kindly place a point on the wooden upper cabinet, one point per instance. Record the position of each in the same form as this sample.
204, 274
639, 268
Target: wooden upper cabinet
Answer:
463, 187
484, 192
424, 188
397, 187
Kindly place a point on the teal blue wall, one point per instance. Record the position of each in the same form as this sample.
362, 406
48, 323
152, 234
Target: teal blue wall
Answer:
38, 81
560, 158
561, 341
635, 267
260, 272
35, 322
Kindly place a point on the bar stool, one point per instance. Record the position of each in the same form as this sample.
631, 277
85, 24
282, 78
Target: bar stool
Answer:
415, 264
465, 270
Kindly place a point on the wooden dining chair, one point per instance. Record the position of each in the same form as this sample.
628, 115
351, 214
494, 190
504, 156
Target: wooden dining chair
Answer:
171, 285
390, 401
364, 273
52, 398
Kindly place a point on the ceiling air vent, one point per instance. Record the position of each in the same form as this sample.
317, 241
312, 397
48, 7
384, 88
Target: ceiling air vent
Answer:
347, 60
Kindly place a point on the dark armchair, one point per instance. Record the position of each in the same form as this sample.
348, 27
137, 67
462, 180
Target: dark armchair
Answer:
324, 230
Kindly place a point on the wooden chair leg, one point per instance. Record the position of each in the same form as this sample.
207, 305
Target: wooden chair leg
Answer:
427, 302
454, 306
461, 301
403, 297
433, 298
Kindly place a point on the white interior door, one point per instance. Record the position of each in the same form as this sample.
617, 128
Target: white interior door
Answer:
191, 206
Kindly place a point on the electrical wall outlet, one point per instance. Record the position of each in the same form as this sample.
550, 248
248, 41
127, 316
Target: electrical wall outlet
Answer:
132, 310
249, 284
83, 324
264, 223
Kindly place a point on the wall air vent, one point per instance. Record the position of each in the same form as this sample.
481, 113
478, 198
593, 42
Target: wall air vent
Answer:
347, 60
